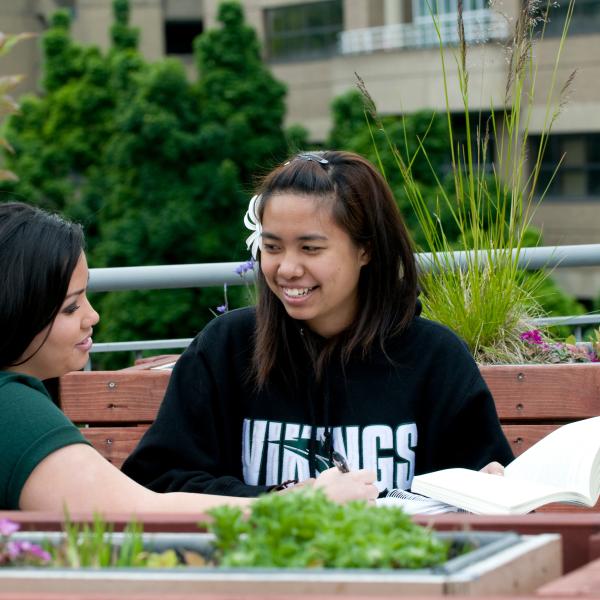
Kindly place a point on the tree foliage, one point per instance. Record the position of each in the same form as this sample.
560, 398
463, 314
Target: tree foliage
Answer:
241, 99
158, 169
354, 129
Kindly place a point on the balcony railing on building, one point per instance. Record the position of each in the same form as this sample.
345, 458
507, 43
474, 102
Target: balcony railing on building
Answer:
480, 26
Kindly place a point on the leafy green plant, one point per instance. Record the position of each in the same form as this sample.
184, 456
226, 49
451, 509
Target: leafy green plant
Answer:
300, 530
306, 529
93, 546
149, 162
375, 141
483, 295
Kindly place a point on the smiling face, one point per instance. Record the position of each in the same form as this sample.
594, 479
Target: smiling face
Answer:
69, 342
310, 263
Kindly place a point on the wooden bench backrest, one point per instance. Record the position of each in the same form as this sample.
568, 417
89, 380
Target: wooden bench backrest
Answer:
116, 407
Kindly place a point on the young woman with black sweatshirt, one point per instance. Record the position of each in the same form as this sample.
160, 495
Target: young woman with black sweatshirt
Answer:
333, 356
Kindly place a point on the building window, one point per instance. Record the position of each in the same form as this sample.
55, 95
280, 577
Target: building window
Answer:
180, 35
586, 17
303, 31
578, 176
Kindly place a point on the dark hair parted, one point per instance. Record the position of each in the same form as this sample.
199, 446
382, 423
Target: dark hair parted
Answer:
363, 205
38, 254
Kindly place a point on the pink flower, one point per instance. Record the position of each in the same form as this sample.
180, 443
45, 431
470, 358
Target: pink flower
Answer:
8, 527
22, 550
39, 552
533, 336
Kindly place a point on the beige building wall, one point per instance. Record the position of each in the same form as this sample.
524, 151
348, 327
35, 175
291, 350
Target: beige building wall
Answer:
25, 59
94, 17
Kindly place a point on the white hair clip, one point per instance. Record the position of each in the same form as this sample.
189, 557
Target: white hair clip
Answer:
252, 222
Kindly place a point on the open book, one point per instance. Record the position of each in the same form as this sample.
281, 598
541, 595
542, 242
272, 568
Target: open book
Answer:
562, 467
414, 504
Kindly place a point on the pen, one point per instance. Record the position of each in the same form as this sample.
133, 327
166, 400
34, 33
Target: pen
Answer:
340, 462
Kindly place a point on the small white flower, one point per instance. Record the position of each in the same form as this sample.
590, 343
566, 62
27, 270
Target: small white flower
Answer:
252, 222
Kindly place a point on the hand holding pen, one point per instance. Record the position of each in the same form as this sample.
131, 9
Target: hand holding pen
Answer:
342, 485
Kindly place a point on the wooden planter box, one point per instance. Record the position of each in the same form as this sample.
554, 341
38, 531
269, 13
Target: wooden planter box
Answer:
582, 583
504, 563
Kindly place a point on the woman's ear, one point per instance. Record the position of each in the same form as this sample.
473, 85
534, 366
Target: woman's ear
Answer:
364, 256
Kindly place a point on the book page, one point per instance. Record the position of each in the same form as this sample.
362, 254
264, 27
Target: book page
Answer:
487, 494
414, 504
566, 458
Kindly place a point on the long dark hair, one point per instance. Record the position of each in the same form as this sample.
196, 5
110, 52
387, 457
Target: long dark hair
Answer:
38, 254
363, 205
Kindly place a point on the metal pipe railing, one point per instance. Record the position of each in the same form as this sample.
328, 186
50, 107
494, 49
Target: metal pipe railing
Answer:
167, 277
217, 274
575, 321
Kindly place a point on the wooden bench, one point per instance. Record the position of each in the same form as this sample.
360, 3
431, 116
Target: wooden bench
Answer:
116, 407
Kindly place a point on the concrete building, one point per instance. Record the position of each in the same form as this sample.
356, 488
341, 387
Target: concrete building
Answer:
317, 46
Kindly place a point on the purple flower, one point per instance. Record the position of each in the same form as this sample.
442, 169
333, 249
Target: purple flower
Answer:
222, 309
13, 550
533, 336
39, 553
17, 550
242, 269
8, 527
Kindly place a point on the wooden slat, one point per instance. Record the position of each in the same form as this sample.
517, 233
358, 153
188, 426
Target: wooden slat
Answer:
522, 437
560, 393
114, 443
541, 392
256, 594
112, 396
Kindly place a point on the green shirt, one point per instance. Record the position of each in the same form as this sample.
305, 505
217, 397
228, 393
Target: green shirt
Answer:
31, 428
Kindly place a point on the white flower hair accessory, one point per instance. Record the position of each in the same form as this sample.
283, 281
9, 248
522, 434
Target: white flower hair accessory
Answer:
252, 222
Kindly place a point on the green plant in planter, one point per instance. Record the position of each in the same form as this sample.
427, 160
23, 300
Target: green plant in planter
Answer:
486, 299
305, 529
92, 546
298, 530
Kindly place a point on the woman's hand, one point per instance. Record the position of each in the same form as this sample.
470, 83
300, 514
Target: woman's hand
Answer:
493, 468
343, 487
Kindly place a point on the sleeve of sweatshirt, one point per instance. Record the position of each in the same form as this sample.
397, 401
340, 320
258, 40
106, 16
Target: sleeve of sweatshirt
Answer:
474, 437
195, 443
463, 426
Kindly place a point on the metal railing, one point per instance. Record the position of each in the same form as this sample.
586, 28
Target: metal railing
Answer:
576, 322
480, 26
217, 274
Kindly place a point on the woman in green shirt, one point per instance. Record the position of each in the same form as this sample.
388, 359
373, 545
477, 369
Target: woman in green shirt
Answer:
46, 322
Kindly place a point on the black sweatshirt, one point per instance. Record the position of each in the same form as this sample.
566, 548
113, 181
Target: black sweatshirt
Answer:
427, 408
